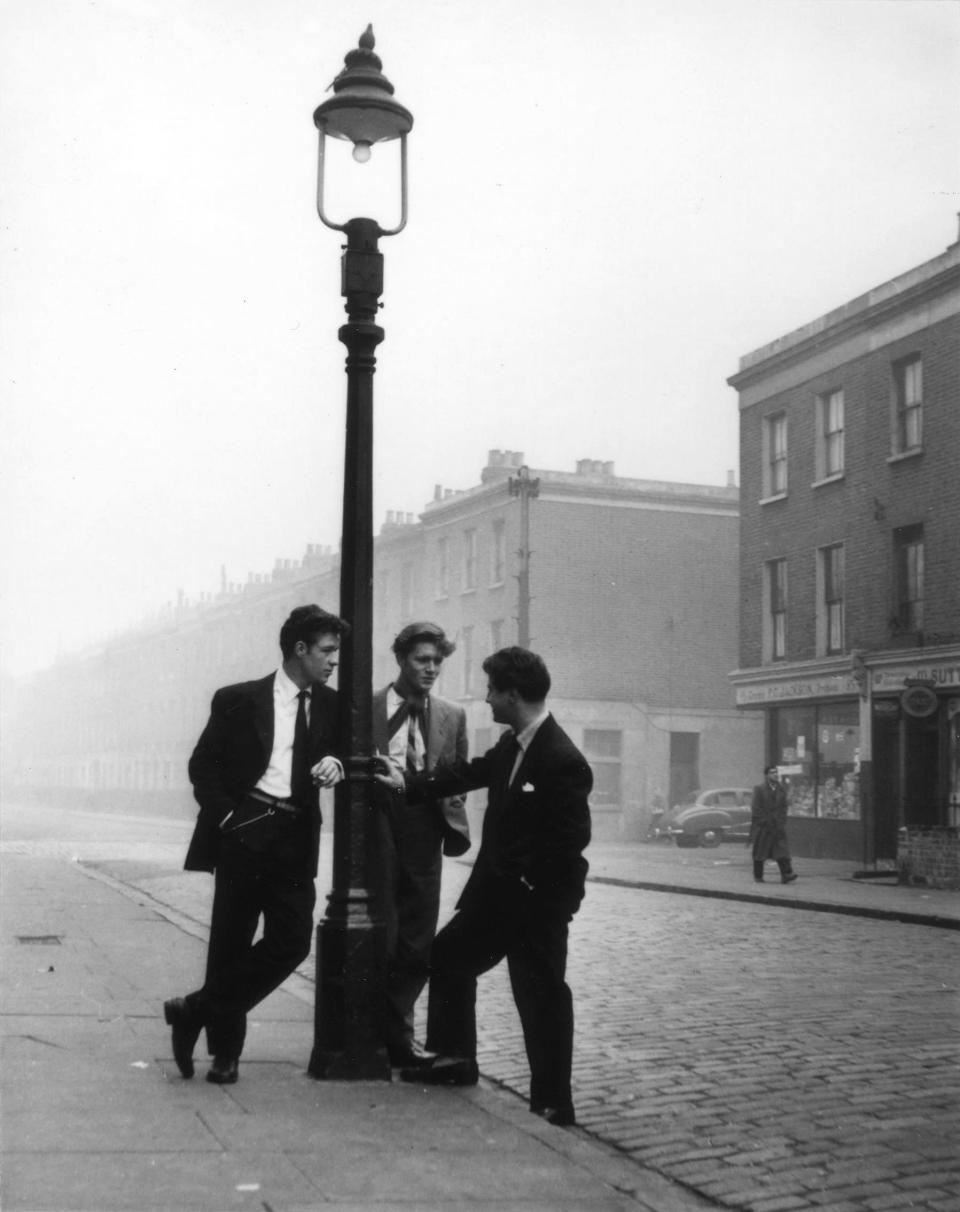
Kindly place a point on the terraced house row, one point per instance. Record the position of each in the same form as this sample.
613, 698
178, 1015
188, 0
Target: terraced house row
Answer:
627, 587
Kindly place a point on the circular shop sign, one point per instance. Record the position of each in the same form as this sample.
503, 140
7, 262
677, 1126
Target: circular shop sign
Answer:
919, 701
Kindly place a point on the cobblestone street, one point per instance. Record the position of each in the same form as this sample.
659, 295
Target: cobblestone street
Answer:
769, 1058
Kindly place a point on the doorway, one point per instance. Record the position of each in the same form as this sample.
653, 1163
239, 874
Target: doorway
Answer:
684, 766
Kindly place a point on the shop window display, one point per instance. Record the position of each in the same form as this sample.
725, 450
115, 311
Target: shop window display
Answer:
818, 751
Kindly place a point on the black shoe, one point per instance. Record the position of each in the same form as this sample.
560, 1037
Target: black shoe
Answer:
224, 1071
560, 1117
409, 1055
185, 1031
759, 880
788, 878
443, 1071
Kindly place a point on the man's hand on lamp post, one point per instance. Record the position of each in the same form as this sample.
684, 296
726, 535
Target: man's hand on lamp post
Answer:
389, 772
327, 772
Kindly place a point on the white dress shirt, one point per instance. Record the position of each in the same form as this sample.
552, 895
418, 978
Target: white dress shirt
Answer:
276, 778
523, 740
398, 742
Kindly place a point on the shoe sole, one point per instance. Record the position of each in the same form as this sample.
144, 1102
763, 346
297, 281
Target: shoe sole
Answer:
419, 1077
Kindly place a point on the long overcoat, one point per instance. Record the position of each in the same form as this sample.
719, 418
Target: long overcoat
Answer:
768, 823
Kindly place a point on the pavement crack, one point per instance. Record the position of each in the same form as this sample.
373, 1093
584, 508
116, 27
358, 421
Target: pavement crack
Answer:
216, 1136
36, 1039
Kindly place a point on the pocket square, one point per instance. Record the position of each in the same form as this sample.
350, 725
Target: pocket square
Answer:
528, 787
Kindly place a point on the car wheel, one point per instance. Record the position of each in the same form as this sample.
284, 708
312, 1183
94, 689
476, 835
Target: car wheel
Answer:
686, 841
710, 838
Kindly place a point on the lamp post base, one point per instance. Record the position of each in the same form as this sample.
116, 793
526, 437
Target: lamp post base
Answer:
348, 1041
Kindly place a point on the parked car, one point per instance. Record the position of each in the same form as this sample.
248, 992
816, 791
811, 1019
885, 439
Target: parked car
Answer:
721, 814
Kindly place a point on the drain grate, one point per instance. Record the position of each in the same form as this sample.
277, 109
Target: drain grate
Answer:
40, 940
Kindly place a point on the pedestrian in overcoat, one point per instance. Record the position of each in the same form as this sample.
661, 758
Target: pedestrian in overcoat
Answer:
768, 827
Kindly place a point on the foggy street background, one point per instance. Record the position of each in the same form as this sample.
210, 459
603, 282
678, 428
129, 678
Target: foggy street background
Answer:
610, 205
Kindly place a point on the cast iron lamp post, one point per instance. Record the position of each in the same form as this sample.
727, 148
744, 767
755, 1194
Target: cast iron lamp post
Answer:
350, 939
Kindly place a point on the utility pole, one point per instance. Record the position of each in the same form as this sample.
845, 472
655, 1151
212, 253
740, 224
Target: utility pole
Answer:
525, 488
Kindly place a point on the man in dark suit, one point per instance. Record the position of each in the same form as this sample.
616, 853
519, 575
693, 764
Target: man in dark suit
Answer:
256, 770
419, 730
768, 827
526, 885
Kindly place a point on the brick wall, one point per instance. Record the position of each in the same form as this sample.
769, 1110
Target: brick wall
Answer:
861, 509
930, 858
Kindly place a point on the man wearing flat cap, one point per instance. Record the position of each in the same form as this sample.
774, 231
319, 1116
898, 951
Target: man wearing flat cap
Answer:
418, 729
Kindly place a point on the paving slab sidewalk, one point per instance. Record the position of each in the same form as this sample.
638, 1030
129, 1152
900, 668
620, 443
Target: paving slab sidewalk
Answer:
826, 885
95, 1117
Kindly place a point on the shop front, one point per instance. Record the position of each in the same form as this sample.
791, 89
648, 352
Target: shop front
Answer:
814, 733
915, 708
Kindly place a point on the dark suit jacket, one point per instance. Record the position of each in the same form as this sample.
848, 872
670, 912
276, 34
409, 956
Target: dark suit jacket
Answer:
535, 831
233, 752
446, 742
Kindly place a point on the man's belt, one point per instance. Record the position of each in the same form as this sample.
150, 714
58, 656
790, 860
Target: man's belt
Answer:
283, 805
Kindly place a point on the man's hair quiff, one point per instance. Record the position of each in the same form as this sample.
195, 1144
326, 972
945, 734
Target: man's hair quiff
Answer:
421, 633
306, 623
521, 670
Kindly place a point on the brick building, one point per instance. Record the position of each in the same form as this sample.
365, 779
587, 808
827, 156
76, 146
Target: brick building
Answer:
850, 562
633, 605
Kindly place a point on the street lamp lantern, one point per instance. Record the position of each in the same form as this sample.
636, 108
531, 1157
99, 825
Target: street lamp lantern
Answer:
363, 111
351, 953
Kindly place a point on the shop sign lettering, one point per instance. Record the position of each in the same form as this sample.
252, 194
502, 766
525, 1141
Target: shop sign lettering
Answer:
797, 688
932, 675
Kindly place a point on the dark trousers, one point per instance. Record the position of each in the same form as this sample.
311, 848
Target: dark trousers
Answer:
270, 883
534, 941
783, 863
409, 852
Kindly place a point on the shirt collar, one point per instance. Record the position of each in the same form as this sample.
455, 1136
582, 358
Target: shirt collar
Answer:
395, 699
284, 688
524, 738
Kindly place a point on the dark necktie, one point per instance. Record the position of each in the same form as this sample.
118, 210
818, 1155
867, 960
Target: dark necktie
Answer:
511, 749
301, 784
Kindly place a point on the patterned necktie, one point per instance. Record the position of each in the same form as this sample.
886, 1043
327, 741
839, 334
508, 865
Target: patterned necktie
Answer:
413, 711
414, 721
301, 784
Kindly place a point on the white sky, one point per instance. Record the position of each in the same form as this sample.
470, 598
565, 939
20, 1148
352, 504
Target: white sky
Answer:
610, 203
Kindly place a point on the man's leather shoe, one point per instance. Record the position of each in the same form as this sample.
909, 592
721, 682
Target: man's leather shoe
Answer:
789, 877
560, 1117
185, 1032
410, 1056
224, 1071
443, 1071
